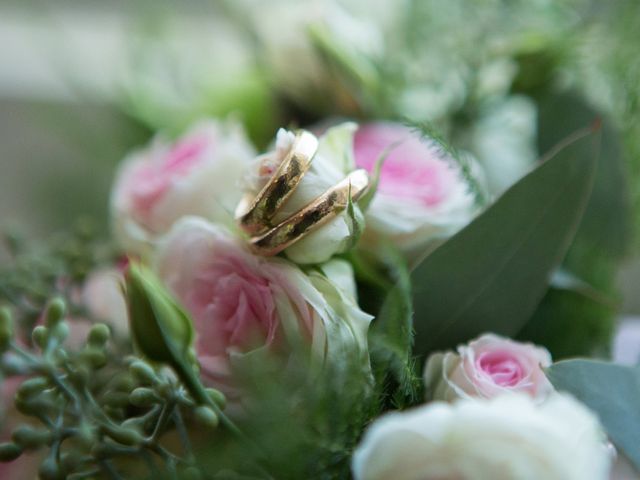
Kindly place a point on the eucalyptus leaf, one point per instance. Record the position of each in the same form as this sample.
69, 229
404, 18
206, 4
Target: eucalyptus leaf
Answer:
491, 275
570, 323
612, 391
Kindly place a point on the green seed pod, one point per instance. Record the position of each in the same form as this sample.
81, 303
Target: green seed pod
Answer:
70, 460
217, 397
6, 328
206, 416
143, 372
50, 470
59, 331
29, 438
98, 335
85, 436
40, 336
122, 382
55, 312
32, 386
9, 452
126, 436
94, 357
137, 423
35, 406
143, 397
80, 376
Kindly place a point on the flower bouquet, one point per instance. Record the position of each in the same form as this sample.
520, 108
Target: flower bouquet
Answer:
360, 258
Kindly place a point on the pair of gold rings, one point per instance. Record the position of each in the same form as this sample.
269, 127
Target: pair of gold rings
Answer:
256, 215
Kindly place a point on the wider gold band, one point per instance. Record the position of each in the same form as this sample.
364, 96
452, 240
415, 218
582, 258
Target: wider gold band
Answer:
314, 215
281, 185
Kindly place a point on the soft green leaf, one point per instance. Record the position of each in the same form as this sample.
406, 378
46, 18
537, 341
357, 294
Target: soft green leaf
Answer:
491, 275
612, 391
604, 233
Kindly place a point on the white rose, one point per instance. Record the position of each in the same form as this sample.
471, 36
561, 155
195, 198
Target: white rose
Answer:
508, 437
331, 164
198, 174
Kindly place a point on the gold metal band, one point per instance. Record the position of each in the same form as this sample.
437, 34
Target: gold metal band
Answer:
314, 215
255, 218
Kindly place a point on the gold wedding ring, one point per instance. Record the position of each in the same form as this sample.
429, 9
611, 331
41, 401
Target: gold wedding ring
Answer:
256, 215
314, 215
281, 185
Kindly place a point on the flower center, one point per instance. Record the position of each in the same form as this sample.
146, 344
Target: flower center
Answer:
502, 367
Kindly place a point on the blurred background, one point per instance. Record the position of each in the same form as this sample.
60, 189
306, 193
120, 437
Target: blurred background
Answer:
81, 83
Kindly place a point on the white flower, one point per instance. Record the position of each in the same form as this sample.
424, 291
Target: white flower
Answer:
504, 140
507, 438
331, 164
289, 33
196, 175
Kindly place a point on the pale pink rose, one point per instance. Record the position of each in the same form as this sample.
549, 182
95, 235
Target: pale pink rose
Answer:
198, 174
488, 367
421, 195
242, 303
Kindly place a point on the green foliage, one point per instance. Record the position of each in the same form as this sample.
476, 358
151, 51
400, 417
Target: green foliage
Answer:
491, 275
37, 271
569, 322
97, 414
612, 391
385, 291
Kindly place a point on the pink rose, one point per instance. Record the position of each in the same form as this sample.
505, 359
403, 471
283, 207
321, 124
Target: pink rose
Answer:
242, 303
198, 174
487, 367
421, 194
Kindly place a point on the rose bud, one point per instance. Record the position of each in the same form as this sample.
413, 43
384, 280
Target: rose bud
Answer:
198, 174
421, 194
487, 367
243, 304
509, 437
160, 328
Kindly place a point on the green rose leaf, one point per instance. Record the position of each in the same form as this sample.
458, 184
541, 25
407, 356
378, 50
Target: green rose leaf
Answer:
491, 275
612, 391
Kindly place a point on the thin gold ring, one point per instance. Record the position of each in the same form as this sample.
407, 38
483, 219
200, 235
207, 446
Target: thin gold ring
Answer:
314, 215
256, 215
